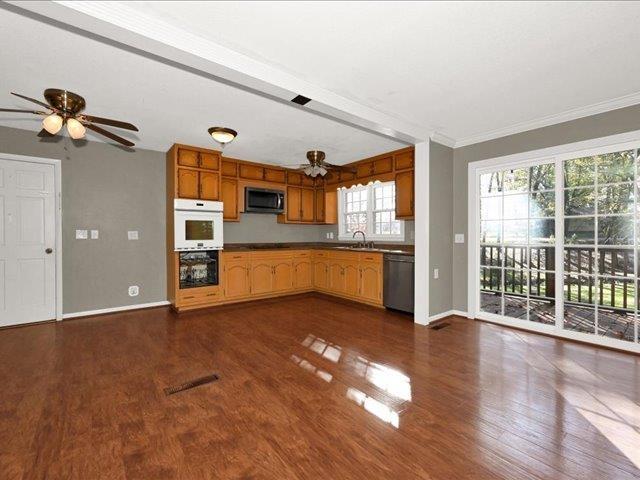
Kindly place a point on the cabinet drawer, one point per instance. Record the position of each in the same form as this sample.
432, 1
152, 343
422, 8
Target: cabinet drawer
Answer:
301, 254
346, 256
371, 257
321, 254
194, 296
235, 256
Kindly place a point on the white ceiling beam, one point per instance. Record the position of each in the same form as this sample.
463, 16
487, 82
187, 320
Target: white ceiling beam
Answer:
119, 23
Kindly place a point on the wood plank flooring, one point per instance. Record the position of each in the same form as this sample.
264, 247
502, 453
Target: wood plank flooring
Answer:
311, 387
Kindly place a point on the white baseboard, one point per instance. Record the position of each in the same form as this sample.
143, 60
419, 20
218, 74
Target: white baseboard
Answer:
115, 309
448, 313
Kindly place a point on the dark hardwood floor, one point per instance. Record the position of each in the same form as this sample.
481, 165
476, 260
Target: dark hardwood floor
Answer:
311, 387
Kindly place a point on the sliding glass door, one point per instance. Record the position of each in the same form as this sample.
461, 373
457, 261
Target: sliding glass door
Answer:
557, 244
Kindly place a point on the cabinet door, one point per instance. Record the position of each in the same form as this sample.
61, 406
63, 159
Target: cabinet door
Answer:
404, 160
252, 172
404, 194
321, 275
210, 161
229, 168
282, 275
364, 169
383, 165
371, 282
187, 158
229, 193
188, 183
307, 204
236, 280
209, 186
294, 178
332, 177
302, 274
274, 175
336, 277
308, 181
351, 274
293, 204
261, 277
320, 205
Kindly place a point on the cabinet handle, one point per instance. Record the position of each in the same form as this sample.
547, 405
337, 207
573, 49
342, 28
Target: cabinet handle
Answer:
211, 294
188, 298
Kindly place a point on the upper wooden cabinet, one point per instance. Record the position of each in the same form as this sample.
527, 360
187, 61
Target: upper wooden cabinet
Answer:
193, 173
364, 169
229, 196
274, 175
188, 183
404, 194
208, 160
326, 206
383, 165
404, 160
251, 172
229, 168
320, 205
300, 204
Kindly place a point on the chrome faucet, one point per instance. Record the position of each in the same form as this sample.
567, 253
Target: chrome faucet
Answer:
364, 237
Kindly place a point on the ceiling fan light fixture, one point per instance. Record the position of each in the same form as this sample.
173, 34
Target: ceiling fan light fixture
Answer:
75, 128
52, 123
222, 135
308, 171
322, 171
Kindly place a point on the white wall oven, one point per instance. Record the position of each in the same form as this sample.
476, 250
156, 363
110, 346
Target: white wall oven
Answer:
197, 225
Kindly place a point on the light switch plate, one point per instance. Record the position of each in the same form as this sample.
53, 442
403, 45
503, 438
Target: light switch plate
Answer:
436, 273
81, 234
132, 235
459, 238
95, 234
331, 235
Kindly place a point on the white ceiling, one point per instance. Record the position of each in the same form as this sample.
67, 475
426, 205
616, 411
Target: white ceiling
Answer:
168, 104
469, 70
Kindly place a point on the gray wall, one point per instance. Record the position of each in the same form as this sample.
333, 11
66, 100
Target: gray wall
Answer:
610, 123
440, 227
107, 188
264, 228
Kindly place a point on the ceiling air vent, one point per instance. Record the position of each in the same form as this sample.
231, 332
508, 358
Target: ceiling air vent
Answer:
300, 100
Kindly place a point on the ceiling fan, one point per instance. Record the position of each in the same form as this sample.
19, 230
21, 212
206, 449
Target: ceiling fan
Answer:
65, 108
317, 165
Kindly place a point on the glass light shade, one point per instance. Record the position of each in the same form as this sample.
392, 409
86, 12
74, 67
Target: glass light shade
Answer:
308, 170
52, 123
222, 135
323, 171
75, 128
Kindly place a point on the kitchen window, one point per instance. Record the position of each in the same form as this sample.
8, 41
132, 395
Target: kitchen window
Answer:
371, 209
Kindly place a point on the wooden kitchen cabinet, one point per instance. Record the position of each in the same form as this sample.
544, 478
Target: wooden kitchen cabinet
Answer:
383, 165
282, 275
187, 158
302, 273
307, 205
364, 169
404, 194
371, 281
209, 161
209, 185
320, 205
251, 172
351, 274
404, 160
336, 277
274, 175
229, 168
261, 277
236, 279
320, 271
229, 197
188, 183
294, 196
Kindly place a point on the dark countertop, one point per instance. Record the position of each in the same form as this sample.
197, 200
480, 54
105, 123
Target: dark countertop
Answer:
398, 249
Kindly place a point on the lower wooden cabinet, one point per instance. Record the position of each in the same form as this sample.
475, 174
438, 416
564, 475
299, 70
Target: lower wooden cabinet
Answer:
259, 274
236, 279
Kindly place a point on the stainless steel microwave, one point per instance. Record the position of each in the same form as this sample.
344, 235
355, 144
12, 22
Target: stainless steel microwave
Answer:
263, 200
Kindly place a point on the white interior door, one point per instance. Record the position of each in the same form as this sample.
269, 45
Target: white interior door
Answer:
27, 242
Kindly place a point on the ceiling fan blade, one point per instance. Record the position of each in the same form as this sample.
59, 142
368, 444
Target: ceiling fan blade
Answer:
108, 121
108, 134
15, 110
42, 104
44, 134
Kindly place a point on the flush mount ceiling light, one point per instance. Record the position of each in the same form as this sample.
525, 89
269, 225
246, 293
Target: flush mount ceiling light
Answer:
65, 107
222, 135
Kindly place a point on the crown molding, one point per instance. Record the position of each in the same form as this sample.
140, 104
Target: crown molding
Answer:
443, 139
546, 121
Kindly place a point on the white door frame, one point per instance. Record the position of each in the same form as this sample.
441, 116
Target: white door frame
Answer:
57, 173
561, 152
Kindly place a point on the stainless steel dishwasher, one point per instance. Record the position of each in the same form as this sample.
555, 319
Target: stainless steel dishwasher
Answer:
398, 282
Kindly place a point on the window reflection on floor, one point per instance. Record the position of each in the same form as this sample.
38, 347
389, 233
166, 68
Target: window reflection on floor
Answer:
383, 392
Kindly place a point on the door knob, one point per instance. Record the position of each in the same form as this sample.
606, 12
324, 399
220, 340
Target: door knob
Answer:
48, 250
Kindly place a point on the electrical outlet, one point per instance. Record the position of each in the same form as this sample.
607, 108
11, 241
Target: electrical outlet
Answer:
132, 235
436, 273
331, 235
94, 234
327, 235
459, 238
81, 234
134, 290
